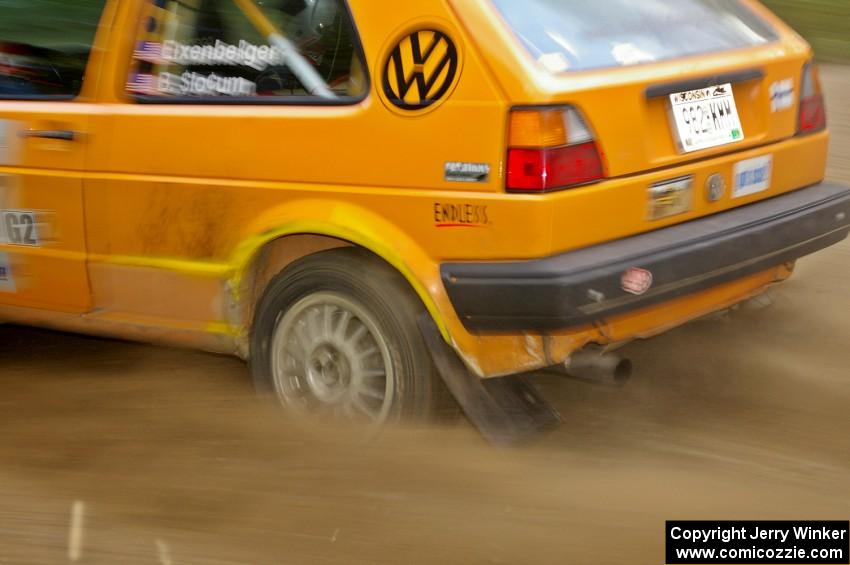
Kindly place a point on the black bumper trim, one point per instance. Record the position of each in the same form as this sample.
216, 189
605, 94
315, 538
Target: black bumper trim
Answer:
585, 286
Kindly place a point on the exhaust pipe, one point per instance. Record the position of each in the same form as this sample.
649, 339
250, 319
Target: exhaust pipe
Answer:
598, 368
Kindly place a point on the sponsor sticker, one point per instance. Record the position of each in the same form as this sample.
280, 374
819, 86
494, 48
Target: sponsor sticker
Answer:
752, 176
467, 172
781, 95
636, 281
463, 215
7, 283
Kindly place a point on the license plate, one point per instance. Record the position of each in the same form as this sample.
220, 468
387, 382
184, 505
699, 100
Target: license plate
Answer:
706, 118
751, 176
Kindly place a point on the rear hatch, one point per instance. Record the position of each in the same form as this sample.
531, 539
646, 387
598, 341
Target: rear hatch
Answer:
623, 63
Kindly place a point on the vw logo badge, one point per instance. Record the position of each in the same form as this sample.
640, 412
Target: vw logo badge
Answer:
421, 70
715, 187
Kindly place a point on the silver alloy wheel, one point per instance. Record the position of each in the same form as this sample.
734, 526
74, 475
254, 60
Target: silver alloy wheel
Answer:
329, 358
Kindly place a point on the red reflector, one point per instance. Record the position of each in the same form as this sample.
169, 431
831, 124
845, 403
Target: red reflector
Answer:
812, 114
541, 170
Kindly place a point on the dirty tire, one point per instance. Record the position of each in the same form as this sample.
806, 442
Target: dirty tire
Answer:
350, 279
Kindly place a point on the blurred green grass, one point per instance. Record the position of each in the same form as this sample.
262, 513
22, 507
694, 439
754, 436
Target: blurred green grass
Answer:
824, 23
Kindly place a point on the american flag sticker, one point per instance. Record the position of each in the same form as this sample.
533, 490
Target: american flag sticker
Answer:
141, 83
148, 51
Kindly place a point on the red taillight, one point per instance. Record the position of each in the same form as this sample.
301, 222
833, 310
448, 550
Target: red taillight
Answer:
551, 149
812, 114
812, 107
552, 168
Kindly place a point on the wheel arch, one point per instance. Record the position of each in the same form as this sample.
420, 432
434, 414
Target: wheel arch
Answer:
282, 242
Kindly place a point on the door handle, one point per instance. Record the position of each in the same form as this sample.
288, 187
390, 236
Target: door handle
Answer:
60, 134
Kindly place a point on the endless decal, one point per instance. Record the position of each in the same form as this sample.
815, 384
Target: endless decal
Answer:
454, 215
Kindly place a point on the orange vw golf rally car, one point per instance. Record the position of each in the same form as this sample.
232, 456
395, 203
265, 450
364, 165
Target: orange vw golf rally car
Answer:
374, 203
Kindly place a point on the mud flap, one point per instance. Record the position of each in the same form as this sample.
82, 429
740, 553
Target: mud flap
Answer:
508, 411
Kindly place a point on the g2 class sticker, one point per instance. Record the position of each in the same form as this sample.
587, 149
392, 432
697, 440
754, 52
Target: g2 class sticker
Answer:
636, 281
19, 227
421, 70
781, 95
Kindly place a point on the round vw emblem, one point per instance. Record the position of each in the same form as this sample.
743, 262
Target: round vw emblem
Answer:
715, 187
421, 70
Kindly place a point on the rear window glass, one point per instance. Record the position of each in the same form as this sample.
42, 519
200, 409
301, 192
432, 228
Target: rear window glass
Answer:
248, 51
571, 35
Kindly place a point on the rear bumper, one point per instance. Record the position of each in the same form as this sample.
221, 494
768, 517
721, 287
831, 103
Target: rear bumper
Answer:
586, 286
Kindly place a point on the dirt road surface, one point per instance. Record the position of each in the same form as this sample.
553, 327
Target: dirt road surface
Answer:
166, 457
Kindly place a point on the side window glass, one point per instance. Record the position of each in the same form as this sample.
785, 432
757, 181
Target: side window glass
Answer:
247, 51
45, 46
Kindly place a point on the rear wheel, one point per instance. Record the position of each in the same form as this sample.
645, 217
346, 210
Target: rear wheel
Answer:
335, 336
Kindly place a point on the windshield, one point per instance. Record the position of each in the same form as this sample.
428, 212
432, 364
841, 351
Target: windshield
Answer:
570, 35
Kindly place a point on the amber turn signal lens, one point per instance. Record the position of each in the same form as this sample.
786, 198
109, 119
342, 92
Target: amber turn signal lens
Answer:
538, 128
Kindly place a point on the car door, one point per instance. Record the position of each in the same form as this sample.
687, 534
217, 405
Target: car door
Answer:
48, 54
200, 109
